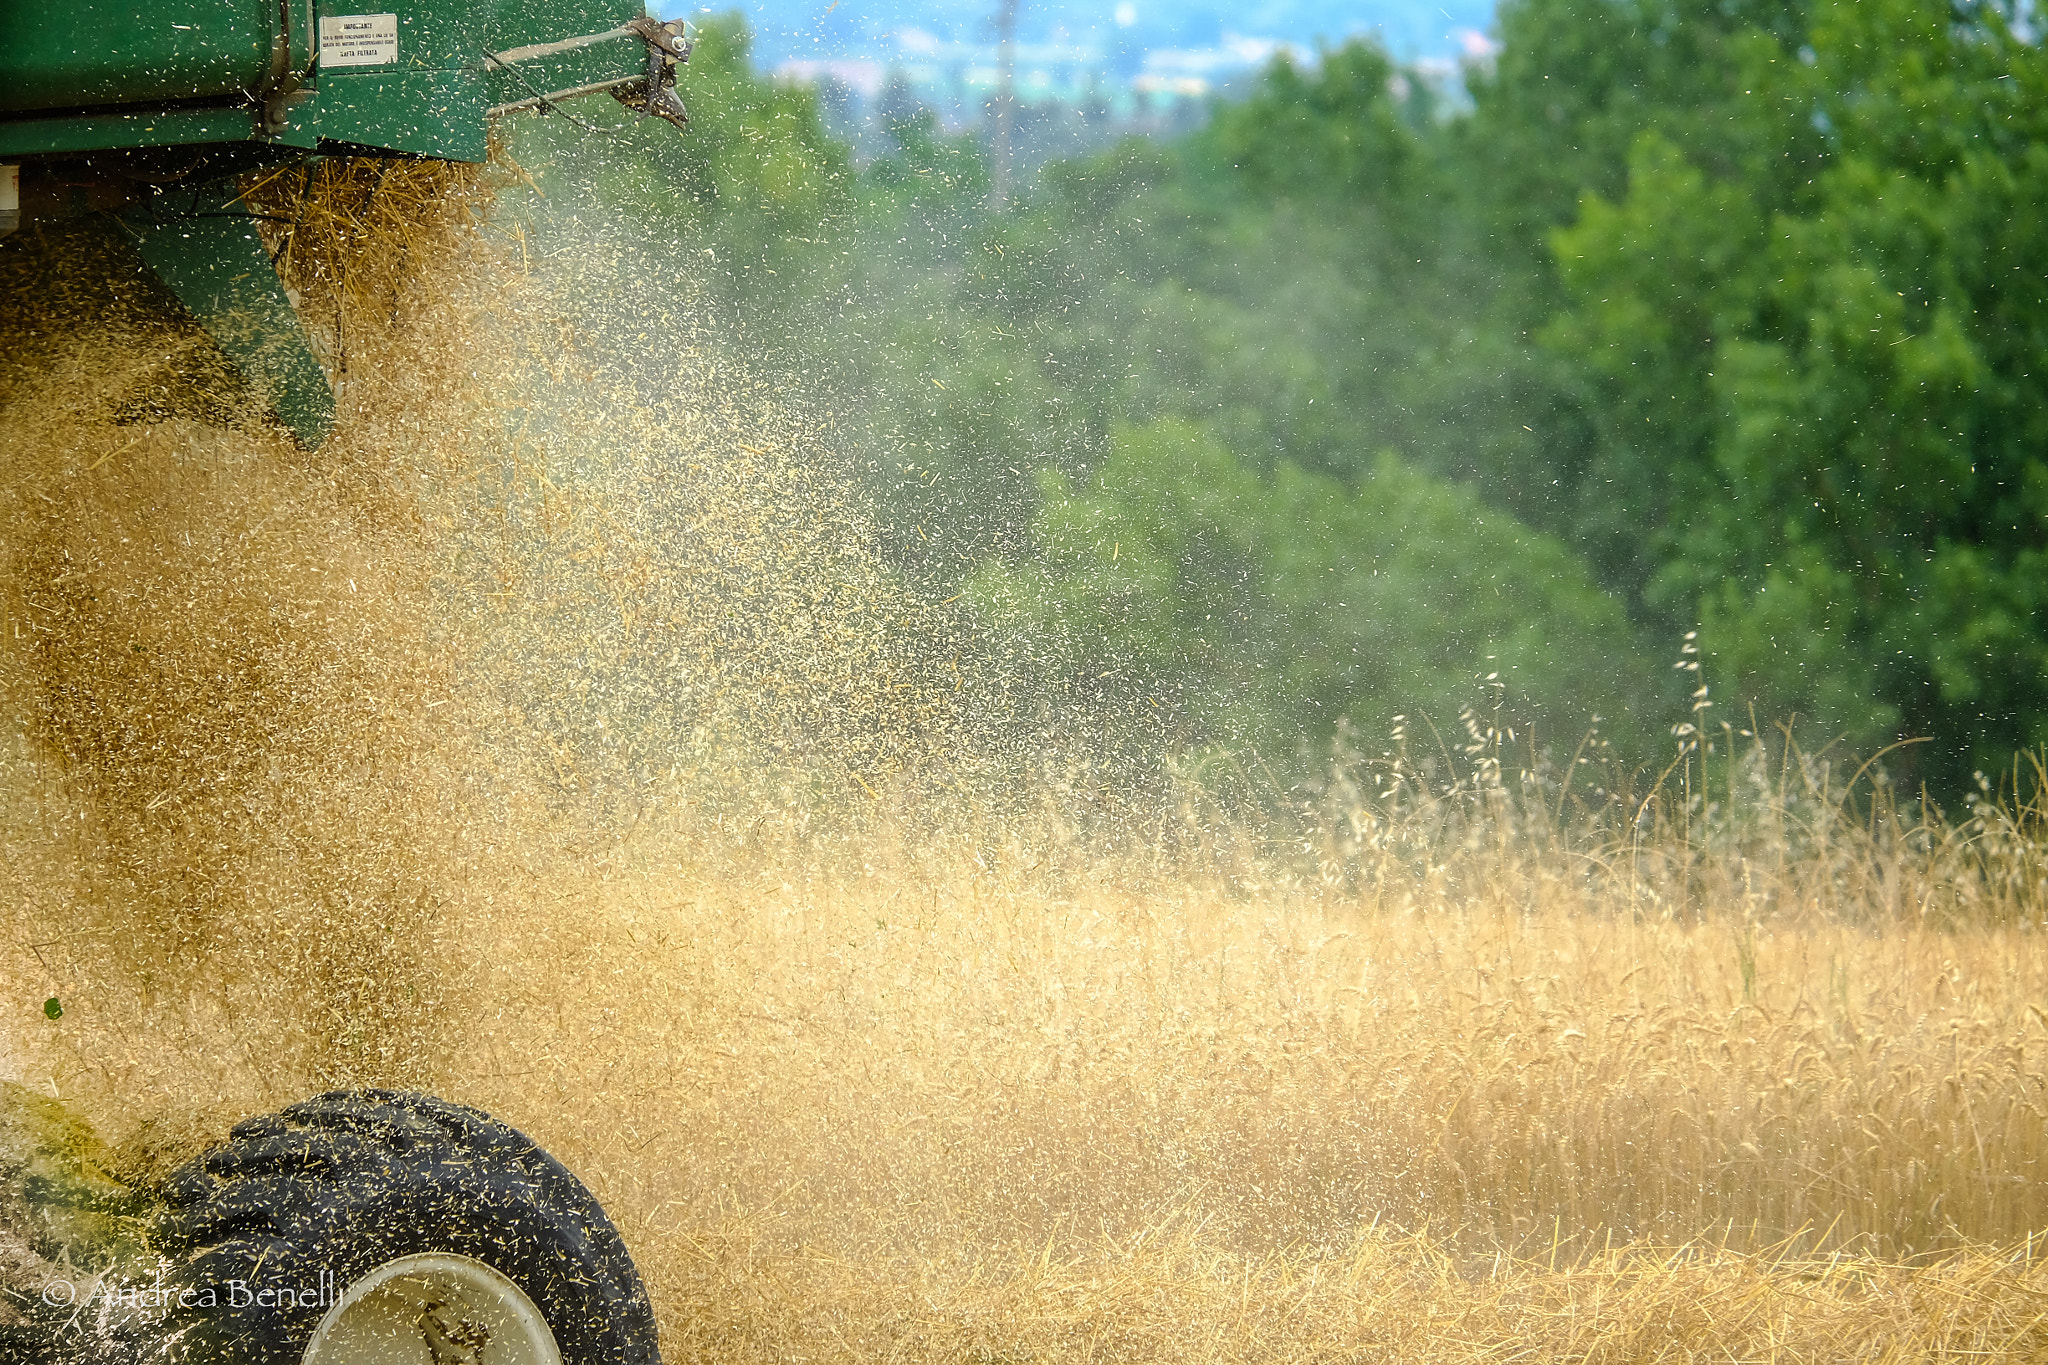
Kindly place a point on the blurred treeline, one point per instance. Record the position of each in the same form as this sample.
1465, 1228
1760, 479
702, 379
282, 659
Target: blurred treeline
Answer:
1367, 400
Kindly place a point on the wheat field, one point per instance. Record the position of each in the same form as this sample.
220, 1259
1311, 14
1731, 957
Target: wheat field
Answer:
968, 1116
943, 1107
886, 1027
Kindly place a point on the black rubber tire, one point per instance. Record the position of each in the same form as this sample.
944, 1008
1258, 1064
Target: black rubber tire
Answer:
347, 1181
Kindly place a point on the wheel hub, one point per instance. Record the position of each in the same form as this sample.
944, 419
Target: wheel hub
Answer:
436, 1308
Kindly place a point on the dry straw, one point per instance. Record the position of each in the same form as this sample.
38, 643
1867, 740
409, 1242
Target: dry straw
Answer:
556, 739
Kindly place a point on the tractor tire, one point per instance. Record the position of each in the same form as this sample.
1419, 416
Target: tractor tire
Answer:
372, 1226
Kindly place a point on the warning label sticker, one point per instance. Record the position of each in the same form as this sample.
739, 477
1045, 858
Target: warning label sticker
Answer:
358, 39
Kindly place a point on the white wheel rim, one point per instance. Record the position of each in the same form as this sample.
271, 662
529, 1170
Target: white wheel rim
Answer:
436, 1308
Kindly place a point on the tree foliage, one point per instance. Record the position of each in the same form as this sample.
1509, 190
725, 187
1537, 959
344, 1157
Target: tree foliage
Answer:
1262, 607
1841, 373
1714, 314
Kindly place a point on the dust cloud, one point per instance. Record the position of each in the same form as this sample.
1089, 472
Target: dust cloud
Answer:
541, 720
294, 739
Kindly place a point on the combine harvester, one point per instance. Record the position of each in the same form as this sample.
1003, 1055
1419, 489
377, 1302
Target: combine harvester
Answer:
155, 112
357, 1228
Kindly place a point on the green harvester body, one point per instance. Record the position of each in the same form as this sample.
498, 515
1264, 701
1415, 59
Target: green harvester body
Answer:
152, 110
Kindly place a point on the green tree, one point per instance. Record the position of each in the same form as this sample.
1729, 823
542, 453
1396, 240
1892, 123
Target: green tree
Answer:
1226, 605
930, 168
1843, 375
1576, 82
1333, 134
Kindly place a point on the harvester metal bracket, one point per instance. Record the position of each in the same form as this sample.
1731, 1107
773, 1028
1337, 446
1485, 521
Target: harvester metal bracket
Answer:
668, 46
287, 83
205, 248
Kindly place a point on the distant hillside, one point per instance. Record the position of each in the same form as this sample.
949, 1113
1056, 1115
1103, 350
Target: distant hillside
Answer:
820, 28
